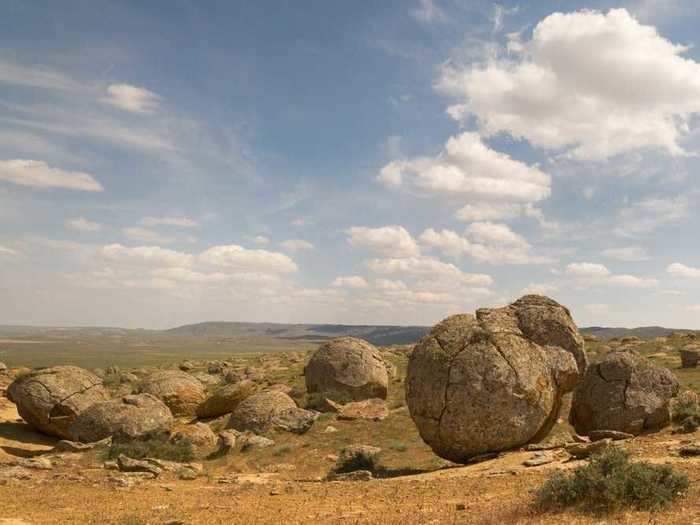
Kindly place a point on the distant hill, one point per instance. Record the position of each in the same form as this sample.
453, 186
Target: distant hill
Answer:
643, 332
378, 335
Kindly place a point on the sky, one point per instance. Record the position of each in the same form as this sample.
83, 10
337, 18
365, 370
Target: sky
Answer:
394, 162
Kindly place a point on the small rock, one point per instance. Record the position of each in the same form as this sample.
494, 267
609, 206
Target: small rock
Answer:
615, 435
460, 506
356, 475
692, 449
584, 450
127, 464
65, 445
374, 409
538, 460
34, 463
330, 429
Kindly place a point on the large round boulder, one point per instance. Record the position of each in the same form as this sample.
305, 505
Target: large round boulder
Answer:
131, 417
50, 399
347, 366
179, 390
624, 392
271, 410
199, 436
495, 381
225, 399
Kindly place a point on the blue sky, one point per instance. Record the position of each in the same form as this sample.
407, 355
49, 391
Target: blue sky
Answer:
347, 162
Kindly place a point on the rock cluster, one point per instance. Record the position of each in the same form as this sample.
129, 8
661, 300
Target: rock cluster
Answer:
495, 381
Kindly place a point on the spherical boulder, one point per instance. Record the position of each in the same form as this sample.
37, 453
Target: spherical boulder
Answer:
347, 366
131, 417
199, 436
181, 392
495, 381
50, 399
225, 399
270, 410
624, 392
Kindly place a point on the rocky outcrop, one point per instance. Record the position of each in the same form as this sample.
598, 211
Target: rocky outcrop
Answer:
624, 392
347, 366
488, 383
270, 410
181, 392
50, 399
140, 416
200, 436
226, 399
690, 356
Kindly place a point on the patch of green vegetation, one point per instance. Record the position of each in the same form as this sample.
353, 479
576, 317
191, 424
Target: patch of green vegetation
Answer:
399, 446
282, 450
356, 461
316, 401
610, 483
180, 451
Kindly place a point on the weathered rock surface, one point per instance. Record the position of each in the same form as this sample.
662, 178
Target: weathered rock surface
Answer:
139, 416
202, 438
50, 399
181, 392
623, 392
585, 450
495, 381
127, 464
296, 420
348, 366
690, 356
226, 399
257, 413
372, 409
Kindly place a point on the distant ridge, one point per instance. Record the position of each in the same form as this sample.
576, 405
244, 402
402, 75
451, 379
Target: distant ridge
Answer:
643, 332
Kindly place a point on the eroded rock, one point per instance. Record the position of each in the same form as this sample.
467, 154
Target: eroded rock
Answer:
226, 399
493, 382
180, 391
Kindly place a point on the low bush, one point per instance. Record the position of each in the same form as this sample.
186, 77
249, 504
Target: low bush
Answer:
611, 482
686, 413
352, 459
182, 451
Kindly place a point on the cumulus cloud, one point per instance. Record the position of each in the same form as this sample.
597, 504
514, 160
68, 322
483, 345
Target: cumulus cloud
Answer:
626, 253
234, 257
145, 235
488, 242
569, 87
131, 98
350, 281
392, 241
539, 289
150, 255
594, 272
81, 224
296, 245
427, 11
427, 267
38, 174
260, 240
488, 211
469, 169
182, 222
681, 270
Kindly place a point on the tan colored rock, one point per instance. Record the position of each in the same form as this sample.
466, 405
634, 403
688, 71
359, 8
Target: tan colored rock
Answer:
347, 366
493, 382
372, 409
181, 392
624, 392
50, 399
131, 417
690, 356
256, 413
225, 399
202, 438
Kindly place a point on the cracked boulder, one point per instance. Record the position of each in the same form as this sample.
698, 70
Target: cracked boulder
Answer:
271, 410
624, 392
50, 399
131, 417
494, 381
347, 367
180, 391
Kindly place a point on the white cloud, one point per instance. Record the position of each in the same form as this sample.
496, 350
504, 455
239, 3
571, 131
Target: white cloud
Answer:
649, 214
35, 77
597, 308
392, 241
182, 222
427, 11
539, 289
488, 211
4, 250
594, 272
145, 235
447, 241
570, 87
468, 168
585, 269
260, 240
131, 98
81, 224
626, 253
495, 233
150, 255
38, 174
296, 245
681, 270
429, 268
237, 258
350, 281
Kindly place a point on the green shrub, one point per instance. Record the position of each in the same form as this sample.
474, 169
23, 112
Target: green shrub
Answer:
686, 413
352, 459
181, 451
611, 482
399, 446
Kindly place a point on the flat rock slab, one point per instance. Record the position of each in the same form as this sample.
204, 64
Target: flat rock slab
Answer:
585, 450
598, 435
